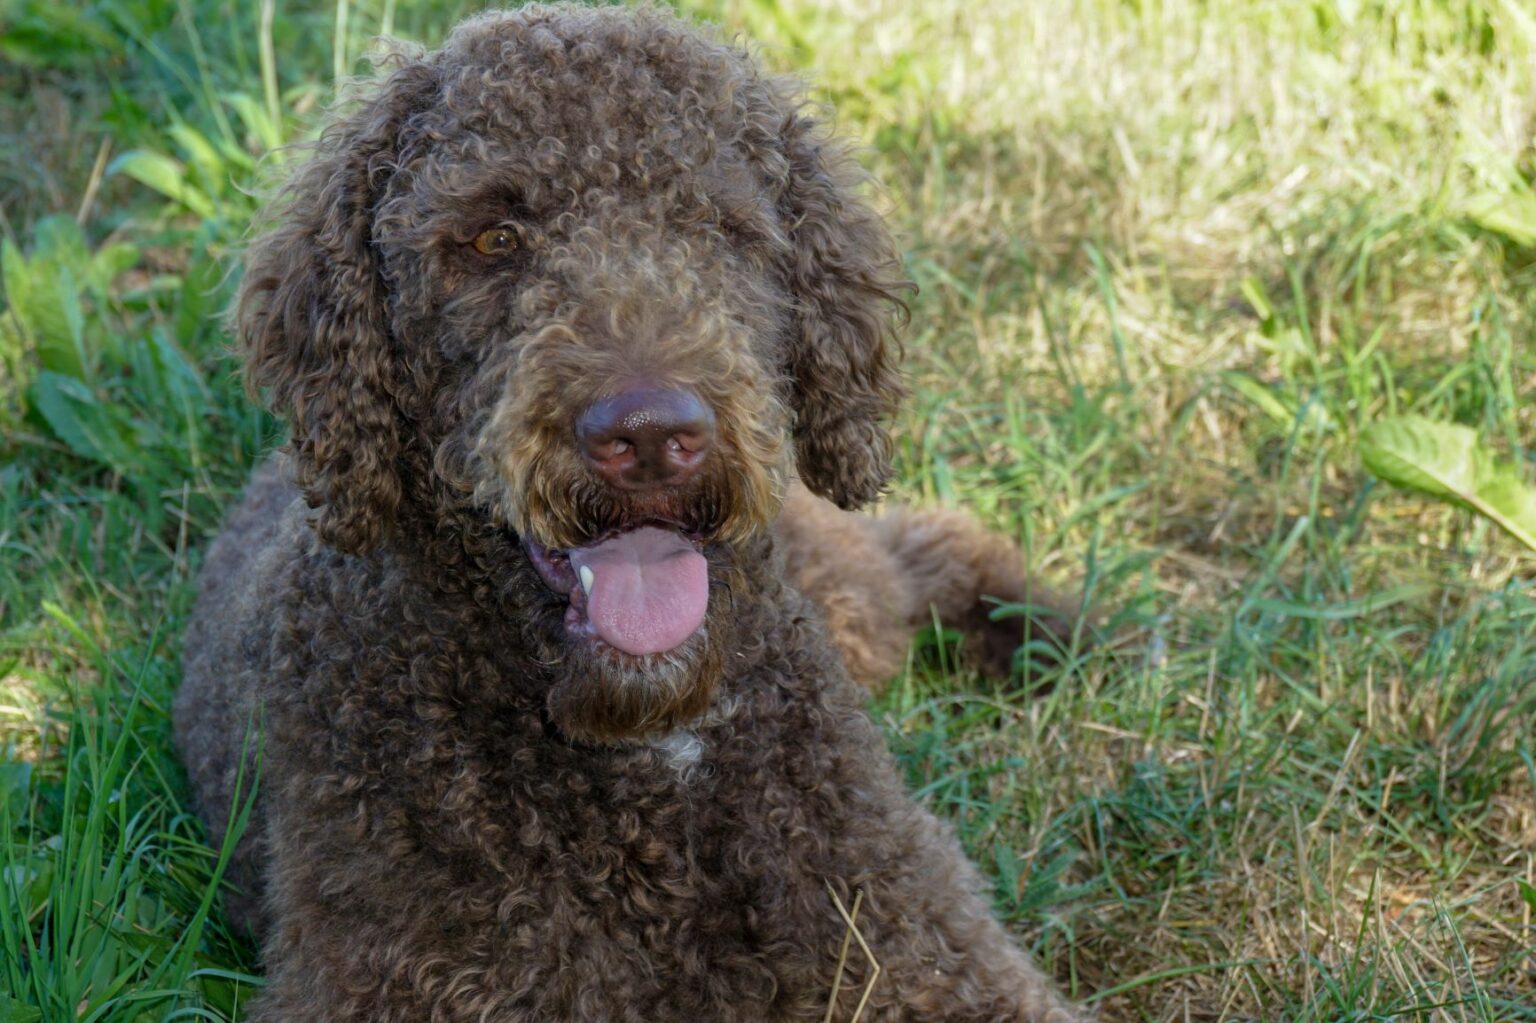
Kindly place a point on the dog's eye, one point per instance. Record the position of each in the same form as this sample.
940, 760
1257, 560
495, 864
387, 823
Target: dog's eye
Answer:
498, 241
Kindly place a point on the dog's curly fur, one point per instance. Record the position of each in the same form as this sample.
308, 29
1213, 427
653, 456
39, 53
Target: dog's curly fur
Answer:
877, 579
468, 812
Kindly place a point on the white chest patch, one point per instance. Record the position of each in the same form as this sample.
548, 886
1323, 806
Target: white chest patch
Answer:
681, 748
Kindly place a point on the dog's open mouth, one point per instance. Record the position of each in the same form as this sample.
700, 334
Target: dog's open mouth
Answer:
641, 591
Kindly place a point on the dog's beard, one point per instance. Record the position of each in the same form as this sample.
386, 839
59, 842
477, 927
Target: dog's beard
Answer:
609, 697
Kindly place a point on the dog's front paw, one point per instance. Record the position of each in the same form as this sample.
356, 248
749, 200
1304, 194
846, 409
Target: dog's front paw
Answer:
1047, 1006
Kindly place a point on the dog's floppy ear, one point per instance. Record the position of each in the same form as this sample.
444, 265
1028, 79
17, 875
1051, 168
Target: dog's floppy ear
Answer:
847, 283
312, 322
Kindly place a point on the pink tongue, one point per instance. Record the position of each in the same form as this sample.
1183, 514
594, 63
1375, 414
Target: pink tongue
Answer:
649, 589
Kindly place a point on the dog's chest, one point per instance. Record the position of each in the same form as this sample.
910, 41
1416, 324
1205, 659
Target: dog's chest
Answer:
671, 814
665, 809
681, 751
632, 865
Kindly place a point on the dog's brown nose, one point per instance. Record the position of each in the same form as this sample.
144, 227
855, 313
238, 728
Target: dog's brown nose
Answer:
646, 436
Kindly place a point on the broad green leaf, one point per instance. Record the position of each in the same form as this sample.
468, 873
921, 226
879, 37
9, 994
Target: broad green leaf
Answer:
58, 321
68, 407
45, 291
90, 428
12, 344
59, 240
1440, 459
1511, 214
164, 175
14, 276
176, 375
108, 262
1446, 461
45, 305
12, 1011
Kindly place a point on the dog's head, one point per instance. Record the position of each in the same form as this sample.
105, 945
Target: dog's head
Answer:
594, 278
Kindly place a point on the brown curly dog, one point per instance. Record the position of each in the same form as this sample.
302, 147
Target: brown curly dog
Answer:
555, 315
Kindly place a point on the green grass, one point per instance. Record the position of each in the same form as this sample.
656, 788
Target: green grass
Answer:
1174, 256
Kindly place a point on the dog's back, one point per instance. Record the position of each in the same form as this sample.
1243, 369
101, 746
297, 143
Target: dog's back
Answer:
225, 651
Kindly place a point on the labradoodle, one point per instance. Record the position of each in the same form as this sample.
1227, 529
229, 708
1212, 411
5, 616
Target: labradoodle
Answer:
555, 315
